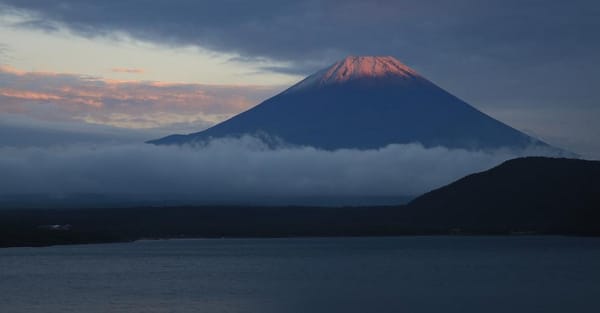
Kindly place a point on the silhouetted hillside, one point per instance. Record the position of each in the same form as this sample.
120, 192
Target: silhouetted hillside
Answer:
546, 195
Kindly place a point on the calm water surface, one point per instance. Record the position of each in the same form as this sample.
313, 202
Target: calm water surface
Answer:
407, 274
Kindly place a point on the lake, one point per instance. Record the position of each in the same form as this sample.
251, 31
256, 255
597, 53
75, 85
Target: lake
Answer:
379, 275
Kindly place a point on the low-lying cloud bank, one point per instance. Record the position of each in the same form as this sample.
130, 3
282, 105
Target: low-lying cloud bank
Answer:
239, 171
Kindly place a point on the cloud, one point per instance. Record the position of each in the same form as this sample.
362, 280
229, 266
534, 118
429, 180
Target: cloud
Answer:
125, 104
241, 170
512, 56
23, 131
570, 128
127, 70
506, 55
514, 31
4, 53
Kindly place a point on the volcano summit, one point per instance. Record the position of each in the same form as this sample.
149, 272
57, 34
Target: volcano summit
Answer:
366, 102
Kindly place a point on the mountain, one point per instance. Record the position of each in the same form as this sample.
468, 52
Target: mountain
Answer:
366, 102
543, 195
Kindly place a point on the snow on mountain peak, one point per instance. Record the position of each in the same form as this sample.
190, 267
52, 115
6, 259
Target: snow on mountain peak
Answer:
358, 67
354, 67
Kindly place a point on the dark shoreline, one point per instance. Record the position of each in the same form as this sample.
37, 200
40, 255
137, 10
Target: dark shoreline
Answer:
290, 237
48, 227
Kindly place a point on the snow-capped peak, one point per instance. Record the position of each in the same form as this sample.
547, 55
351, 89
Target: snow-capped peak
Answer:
354, 67
358, 67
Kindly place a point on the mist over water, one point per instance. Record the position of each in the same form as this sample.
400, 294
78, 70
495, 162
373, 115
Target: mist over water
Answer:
238, 170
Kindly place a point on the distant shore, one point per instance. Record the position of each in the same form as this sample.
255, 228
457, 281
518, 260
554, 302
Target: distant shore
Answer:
49, 227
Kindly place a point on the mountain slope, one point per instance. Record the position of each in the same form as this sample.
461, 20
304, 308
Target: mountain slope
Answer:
366, 103
527, 194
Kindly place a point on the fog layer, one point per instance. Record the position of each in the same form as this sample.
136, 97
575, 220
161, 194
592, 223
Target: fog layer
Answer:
236, 170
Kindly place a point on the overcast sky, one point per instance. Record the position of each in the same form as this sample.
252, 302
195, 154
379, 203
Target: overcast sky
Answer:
178, 65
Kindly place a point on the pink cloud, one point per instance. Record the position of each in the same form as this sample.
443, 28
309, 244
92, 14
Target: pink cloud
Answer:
123, 103
28, 95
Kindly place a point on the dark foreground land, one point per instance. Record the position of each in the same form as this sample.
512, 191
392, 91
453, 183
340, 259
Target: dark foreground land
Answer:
521, 196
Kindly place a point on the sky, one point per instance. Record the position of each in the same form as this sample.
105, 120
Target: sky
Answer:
180, 66
83, 74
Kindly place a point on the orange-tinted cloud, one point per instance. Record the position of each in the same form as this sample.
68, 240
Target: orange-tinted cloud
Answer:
29, 95
130, 104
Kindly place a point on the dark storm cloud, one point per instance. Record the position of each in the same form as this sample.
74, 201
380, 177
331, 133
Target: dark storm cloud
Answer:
514, 31
539, 50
